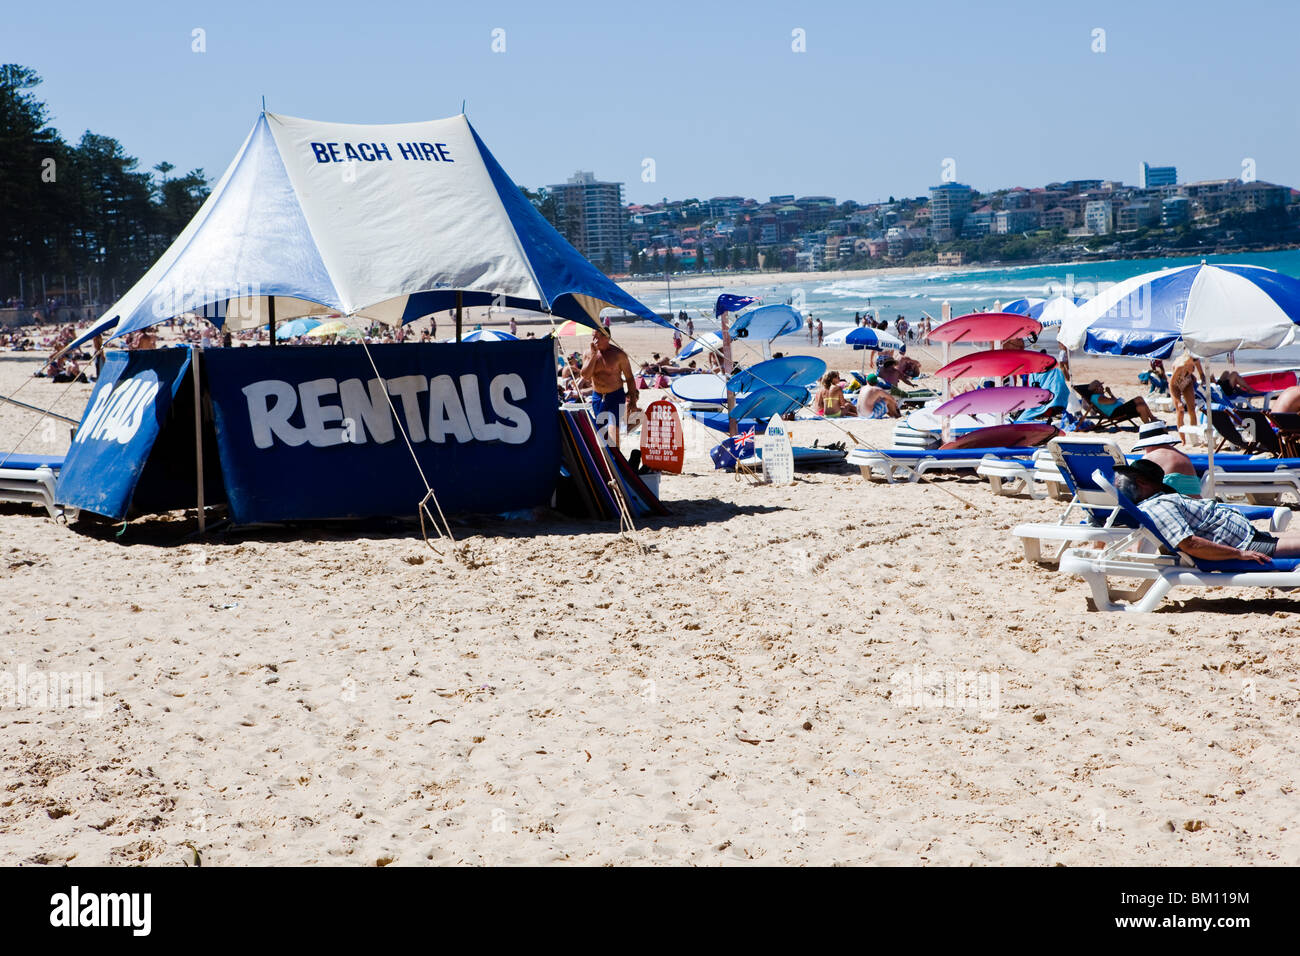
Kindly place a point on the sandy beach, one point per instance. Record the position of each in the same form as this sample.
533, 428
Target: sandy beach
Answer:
738, 693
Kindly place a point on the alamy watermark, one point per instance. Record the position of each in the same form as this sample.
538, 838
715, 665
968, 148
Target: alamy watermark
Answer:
22, 689
943, 689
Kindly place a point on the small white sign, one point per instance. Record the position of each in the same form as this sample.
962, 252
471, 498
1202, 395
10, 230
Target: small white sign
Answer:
778, 454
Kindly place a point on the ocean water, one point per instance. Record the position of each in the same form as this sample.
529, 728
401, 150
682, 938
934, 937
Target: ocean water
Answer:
913, 296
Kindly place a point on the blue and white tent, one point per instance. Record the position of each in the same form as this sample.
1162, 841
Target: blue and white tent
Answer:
385, 222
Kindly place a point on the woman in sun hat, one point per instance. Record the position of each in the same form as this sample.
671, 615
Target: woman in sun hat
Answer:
1159, 445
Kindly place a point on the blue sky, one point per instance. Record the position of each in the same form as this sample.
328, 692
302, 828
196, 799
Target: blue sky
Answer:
712, 92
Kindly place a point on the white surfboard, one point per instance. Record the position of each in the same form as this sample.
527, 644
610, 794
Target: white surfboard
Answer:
778, 454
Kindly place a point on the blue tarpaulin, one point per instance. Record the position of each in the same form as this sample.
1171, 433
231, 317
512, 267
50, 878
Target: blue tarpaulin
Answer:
123, 418
307, 432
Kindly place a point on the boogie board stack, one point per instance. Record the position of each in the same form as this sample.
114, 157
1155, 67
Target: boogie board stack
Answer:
592, 468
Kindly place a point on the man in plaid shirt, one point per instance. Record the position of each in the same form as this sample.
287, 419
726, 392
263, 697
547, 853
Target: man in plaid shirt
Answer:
1203, 528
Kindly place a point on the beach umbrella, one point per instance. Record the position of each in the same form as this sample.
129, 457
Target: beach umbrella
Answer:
1211, 308
486, 335
1053, 312
295, 328
1023, 306
571, 328
334, 327
861, 337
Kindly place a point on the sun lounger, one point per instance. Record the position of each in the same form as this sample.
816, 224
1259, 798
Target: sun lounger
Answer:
1288, 431
31, 479
910, 464
1238, 475
1011, 476
1093, 513
1123, 413
1161, 573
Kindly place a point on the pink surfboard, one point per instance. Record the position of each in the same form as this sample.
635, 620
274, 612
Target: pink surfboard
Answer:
1022, 435
985, 327
995, 401
1271, 381
997, 363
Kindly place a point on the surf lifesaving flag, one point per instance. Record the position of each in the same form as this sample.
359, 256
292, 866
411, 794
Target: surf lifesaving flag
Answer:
663, 445
732, 303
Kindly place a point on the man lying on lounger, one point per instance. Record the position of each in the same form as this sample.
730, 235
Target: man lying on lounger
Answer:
1203, 528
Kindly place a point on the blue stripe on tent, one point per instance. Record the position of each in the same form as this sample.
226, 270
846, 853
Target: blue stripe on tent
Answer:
560, 269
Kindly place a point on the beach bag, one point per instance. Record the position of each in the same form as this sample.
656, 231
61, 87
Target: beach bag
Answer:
662, 382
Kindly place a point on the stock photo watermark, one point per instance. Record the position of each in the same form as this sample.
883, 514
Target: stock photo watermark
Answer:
22, 689
931, 689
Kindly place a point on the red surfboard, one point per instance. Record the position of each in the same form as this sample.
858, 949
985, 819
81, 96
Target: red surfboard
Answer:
985, 327
997, 363
1271, 381
1019, 435
663, 445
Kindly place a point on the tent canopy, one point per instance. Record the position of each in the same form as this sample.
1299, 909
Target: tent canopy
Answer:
387, 222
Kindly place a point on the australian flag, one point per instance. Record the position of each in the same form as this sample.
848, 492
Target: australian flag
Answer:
732, 450
732, 303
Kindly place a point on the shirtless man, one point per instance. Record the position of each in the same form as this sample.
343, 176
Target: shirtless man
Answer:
876, 402
1288, 401
1158, 444
613, 382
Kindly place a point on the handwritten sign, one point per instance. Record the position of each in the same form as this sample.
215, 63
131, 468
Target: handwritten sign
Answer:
663, 445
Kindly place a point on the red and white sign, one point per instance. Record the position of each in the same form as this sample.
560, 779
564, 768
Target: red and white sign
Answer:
663, 445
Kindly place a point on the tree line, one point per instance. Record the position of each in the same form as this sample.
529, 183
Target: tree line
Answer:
82, 219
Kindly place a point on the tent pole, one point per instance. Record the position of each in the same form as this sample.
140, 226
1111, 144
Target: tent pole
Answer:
270, 312
198, 435
460, 301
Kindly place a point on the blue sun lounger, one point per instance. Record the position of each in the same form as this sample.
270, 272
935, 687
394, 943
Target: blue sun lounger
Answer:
30, 479
1093, 514
1161, 573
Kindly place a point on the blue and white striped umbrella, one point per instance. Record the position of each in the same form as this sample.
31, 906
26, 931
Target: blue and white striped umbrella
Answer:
1211, 308
485, 335
1049, 312
861, 337
1022, 306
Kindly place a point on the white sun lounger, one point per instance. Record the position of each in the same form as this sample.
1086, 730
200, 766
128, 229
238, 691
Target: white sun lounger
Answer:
1012, 476
1161, 573
30, 479
1091, 514
909, 464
